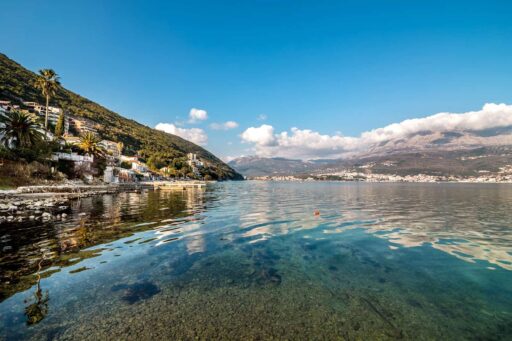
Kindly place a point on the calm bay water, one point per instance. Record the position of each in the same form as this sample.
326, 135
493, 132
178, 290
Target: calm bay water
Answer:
251, 260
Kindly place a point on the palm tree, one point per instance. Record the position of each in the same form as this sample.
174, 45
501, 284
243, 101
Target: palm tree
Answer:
90, 144
19, 130
48, 82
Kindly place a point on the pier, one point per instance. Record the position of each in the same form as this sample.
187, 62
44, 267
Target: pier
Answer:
176, 184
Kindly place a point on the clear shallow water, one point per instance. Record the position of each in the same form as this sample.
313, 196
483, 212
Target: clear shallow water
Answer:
250, 260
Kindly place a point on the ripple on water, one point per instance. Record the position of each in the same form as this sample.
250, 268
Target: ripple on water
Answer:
251, 260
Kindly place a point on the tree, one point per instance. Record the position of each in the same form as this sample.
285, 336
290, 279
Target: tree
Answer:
59, 127
19, 130
90, 144
48, 82
120, 147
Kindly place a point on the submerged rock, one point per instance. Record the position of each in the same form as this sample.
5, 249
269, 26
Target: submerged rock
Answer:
135, 292
267, 276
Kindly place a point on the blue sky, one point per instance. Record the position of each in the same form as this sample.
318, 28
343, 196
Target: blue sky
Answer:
331, 67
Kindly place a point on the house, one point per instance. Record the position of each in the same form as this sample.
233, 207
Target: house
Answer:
194, 163
53, 113
128, 159
139, 167
110, 147
71, 139
125, 175
82, 125
76, 158
7, 106
193, 160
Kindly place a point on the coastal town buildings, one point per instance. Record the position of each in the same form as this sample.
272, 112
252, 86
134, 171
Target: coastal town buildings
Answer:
82, 125
111, 148
75, 126
53, 113
194, 163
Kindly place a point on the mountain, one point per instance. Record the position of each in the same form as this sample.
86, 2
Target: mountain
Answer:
257, 166
429, 141
460, 153
16, 85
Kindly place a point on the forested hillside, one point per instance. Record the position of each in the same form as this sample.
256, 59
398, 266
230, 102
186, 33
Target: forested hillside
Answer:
17, 84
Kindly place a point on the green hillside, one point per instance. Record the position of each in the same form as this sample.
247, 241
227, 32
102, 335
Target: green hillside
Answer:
16, 84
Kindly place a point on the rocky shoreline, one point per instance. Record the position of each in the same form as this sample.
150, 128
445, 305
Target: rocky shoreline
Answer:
46, 203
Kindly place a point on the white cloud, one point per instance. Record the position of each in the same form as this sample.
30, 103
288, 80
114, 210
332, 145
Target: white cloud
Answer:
196, 135
196, 115
305, 143
262, 117
262, 136
224, 126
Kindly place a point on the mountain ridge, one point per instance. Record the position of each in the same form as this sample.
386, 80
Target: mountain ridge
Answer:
452, 153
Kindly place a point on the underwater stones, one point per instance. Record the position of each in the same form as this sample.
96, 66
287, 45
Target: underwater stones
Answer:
414, 303
267, 276
132, 293
31, 209
83, 268
310, 247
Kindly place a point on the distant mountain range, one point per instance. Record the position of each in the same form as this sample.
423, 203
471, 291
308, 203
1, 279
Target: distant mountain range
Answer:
17, 84
450, 153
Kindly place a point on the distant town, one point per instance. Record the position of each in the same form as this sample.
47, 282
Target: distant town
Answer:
504, 175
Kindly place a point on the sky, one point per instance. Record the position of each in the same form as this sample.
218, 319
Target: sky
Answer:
271, 77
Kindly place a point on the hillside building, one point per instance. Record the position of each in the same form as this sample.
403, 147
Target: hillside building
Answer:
194, 163
53, 114
82, 125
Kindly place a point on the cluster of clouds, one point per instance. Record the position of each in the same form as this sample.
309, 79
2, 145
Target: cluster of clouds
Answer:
195, 135
224, 126
306, 144
309, 144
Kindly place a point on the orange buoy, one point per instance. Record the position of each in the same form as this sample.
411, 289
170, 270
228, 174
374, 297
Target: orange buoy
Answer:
317, 212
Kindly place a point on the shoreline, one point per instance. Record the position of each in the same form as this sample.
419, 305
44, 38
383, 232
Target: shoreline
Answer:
387, 181
53, 202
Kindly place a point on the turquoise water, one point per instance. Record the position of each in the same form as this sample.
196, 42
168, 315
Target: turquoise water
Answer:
251, 260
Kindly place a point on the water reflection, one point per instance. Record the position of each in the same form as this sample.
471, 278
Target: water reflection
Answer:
253, 261
471, 222
37, 307
93, 221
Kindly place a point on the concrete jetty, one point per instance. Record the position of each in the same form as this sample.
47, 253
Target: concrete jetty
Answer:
176, 184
